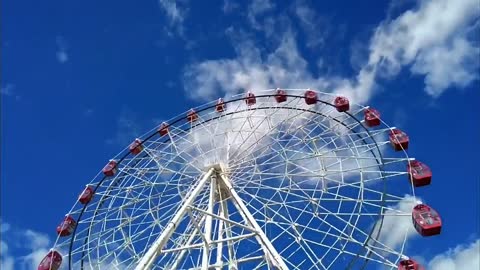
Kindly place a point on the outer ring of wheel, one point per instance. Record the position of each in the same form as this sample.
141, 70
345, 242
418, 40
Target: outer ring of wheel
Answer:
181, 117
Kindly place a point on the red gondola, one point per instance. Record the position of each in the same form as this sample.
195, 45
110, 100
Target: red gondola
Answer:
66, 227
86, 195
192, 116
51, 261
163, 130
398, 139
250, 100
372, 117
426, 220
220, 107
409, 265
280, 96
342, 104
111, 168
136, 147
419, 173
310, 97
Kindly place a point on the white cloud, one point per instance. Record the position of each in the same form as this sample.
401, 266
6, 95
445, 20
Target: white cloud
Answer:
36, 240
128, 128
398, 228
258, 7
6, 261
462, 257
435, 38
7, 90
175, 13
33, 259
62, 55
88, 112
258, 18
448, 65
4, 227
229, 6
283, 67
33, 247
314, 26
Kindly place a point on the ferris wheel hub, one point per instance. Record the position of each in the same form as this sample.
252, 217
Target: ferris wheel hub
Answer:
218, 167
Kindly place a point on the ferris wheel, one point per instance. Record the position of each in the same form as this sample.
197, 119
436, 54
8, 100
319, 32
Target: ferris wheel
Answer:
275, 179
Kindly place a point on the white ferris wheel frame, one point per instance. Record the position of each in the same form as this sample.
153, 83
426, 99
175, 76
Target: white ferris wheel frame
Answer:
216, 182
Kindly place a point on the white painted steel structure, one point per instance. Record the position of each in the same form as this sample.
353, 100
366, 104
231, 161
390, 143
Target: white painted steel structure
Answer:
267, 186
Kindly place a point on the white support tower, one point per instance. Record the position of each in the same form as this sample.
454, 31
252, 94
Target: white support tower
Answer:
221, 192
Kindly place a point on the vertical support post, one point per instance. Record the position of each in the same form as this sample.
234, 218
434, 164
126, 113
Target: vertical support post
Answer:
208, 224
152, 253
219, 261
231, 254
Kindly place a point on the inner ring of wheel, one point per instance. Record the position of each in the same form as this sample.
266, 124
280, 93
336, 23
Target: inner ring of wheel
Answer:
179, 118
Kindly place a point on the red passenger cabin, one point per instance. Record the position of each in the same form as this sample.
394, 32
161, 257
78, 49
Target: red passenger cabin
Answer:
51, 261
250, 100
220, 107
426, 220
419, 173
66, 227
136, 147
398, 139
372, 117
280, 96
409, 265
310, 97
342, 104
111, 168
163, 130
86, 195
192, 116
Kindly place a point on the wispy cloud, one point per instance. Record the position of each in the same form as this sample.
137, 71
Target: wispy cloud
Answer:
61, 54
127, 128
7, 90
229, 6
315, 27
396, 229
88, 112
433, 39
461, 257
175, 13
256, 9
436, 39
29, 248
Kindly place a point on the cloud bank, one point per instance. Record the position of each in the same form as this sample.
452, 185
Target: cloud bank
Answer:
435, 39
32, 246
461, 257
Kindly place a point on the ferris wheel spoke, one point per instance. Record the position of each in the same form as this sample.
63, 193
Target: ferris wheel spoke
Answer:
241, 127
266, 134
291, 220
295, 116
331, 226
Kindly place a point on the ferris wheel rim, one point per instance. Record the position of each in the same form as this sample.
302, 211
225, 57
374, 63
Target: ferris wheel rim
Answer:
179, 118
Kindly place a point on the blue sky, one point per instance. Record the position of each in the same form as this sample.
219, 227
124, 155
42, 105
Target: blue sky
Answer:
81, 79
